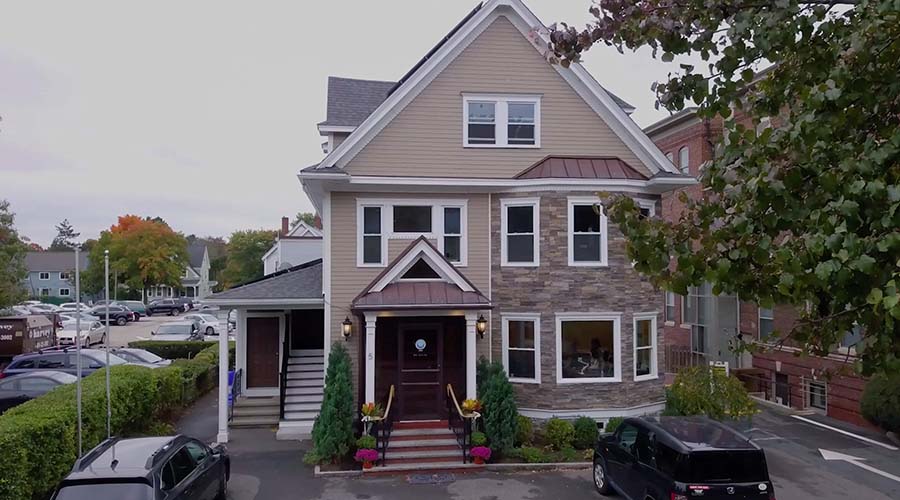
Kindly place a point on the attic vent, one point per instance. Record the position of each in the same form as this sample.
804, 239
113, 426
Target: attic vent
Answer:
420, 271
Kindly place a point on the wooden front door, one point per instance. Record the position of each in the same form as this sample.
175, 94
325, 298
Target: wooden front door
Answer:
263, 344
421, 378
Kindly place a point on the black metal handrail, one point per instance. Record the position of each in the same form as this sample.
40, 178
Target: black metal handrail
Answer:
236, 384
768, 388
382, 427
460, 424
282, 385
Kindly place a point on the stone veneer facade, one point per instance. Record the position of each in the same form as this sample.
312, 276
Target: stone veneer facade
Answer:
555, 287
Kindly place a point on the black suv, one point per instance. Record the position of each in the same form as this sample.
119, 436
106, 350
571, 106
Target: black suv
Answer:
64, 360
679, 458
164, 306
151, 468
119, 315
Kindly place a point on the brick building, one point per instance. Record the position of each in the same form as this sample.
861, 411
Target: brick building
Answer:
699, 328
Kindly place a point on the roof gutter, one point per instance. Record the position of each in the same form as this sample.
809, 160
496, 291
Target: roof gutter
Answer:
262, 302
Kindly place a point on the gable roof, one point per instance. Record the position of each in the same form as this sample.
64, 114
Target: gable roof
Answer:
302, 283
451, 290
449, 48
303, 230
54, 261
580, 167
195, 254
350, 101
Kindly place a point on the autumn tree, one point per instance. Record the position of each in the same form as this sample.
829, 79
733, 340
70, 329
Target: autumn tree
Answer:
65, 237
801, 203
12, 259
244, 255
144, 252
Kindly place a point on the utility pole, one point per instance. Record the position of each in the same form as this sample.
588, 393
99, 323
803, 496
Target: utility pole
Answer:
78, 344
106, 337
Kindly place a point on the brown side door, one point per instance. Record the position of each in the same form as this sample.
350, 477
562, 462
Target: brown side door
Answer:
262, 352
421, 353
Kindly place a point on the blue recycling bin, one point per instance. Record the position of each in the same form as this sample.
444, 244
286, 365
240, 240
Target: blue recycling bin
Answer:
230, 384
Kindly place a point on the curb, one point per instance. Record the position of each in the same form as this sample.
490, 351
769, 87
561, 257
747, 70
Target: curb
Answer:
336, 473
538, 467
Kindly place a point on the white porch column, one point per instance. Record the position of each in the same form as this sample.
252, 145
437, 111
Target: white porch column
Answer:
370, 357
222, 436
471, 338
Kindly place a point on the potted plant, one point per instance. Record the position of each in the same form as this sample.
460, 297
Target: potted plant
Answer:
365, 442
367, 457
478, 439
471, 405
481, 454
371, 410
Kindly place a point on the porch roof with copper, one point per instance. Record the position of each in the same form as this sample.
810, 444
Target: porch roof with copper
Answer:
581, 167
420, 294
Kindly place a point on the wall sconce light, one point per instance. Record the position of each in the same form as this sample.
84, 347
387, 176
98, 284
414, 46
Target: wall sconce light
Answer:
481, 325
346, 328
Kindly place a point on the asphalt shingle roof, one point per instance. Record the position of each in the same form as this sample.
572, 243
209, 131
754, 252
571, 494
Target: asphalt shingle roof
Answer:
298, 282
54, 261
350, 101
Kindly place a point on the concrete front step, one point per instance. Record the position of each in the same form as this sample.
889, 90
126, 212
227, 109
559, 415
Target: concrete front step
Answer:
256, 411
424, 467
422, 433
306, 367
426, 445
426, 455
293, 430
244, 422
317, 375
306, 360
300, 416
422, 424
244, 402
304, 398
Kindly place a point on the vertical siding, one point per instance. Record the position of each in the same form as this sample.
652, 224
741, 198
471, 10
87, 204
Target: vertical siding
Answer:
425, 138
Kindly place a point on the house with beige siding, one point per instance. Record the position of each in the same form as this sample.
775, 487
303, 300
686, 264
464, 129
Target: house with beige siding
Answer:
461, 220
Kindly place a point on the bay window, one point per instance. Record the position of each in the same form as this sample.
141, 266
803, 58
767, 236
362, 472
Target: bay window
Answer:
504, 121
588, 348
587, 233
521, 347
519, 225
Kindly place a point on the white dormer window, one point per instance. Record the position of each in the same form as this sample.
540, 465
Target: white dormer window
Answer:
496, 121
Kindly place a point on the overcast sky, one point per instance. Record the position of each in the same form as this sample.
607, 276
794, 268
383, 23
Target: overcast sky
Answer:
202, 113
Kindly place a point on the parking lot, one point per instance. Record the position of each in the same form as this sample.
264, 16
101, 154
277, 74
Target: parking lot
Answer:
120, 336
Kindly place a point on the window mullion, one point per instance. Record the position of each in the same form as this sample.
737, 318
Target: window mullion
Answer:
501, 122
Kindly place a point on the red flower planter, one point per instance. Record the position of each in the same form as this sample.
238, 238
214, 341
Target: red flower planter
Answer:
367, 465
479, 461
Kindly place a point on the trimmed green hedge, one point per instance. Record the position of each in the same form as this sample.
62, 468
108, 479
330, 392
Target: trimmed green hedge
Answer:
880, 403
39, 438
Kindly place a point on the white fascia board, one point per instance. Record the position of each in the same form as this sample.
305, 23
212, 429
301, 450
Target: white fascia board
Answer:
271, 250
263, 302
336, 129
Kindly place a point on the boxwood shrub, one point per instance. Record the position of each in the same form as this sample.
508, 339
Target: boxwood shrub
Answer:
39, 438
880, 403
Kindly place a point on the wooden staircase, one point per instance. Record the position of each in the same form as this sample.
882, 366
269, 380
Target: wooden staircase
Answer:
422, 446
303, 393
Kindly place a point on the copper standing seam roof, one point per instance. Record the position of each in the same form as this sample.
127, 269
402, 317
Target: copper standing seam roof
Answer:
581, 167
420, 294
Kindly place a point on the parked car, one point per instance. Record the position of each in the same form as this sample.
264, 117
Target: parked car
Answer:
133, 355
136, 306
175, 331
20, 310
85, 316
206, 308
73, 307
16, 390
206, 323
43, 308
679, 458
91, 333
164, 306
119, 315
149, 468
187, 303
64, 360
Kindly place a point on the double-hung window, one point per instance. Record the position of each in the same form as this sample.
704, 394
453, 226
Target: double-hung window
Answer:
521, 347
670, 307
64, 292
684, 160
452, 239
766, 323
520, 232
373, 245
501, 121
43, 276
587, 233
63, 275
645, 362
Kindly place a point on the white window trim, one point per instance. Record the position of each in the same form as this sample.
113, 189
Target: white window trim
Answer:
535, 203
360, 228
535, 318
437, 226
42, 290
685, 169
501, 119
616, 319
64, 276
67, 294
654, 360
41, 276
759, 318
650, 205
604, 233
670, 322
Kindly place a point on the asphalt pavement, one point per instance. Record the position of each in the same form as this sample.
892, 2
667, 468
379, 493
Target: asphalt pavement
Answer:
264, 468
120, 336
